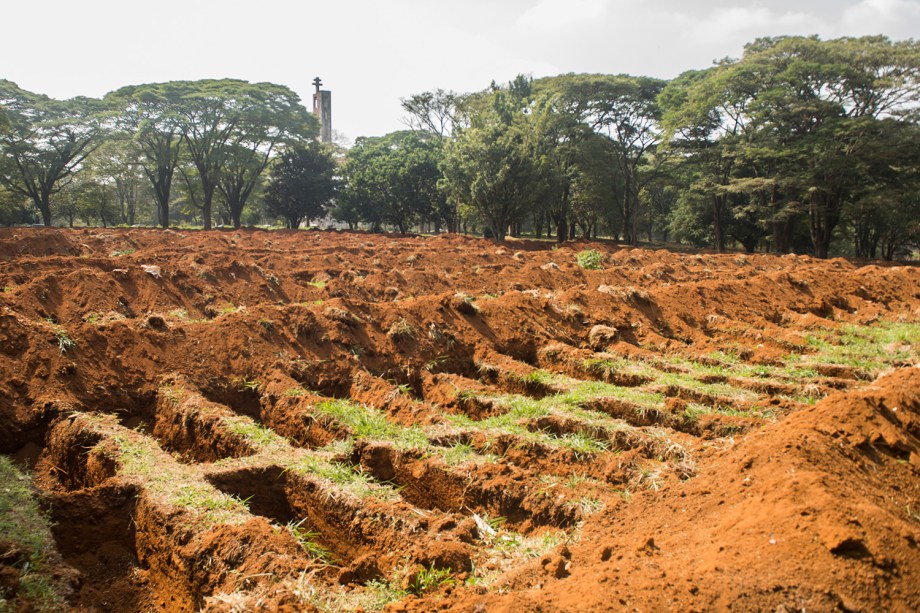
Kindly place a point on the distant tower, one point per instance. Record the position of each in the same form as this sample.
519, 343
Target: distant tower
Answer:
322, 108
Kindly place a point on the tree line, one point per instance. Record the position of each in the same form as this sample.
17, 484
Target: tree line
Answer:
799, 145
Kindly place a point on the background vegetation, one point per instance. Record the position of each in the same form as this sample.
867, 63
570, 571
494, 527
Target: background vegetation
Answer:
800, 145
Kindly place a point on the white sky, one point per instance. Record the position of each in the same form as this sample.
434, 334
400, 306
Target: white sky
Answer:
371, 53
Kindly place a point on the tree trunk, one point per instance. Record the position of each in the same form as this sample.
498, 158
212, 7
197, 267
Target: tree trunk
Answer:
627, 211
206, 206
821, 215
562, 228
718, 204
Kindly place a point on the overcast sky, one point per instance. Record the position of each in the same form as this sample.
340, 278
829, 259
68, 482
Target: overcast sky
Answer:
371, 53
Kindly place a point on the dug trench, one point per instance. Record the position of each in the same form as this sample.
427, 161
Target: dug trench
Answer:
343, 418
133, 545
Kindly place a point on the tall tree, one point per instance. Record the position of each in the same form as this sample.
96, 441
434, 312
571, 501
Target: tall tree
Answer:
148, 115
302, 183
230, 129
625, 109
489, 167
45, 143
393, 179
116, 162
435, 112
270, 118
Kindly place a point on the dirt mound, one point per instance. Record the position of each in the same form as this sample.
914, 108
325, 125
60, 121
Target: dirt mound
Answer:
814, 512
341, 420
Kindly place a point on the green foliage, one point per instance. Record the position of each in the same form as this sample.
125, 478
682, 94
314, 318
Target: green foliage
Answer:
44, 143
23, 524
392, 180
302, 184
220, 135
252, 432
367, 422
308, 540
792, 132
428, 579
799, 145
489, 167
590, 259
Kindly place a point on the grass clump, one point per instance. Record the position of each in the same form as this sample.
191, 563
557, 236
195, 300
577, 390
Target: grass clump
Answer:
372, 597
175, 483
461, 453
401, 330
428, 579
348, 480
254, 433
868, 349
179, 313
308, 541
582, 445
365, 422
590, 259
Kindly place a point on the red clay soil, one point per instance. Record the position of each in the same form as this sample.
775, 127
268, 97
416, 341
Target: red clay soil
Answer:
811, 513
765, 501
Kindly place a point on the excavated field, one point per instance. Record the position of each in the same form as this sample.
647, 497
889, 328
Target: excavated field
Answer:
254, 420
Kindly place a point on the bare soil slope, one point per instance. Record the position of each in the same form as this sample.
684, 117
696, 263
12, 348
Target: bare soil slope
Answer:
262, 419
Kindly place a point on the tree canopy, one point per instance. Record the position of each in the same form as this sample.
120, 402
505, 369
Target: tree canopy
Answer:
801, 144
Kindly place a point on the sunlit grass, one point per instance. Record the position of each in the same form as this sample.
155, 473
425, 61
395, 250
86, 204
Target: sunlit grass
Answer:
363, 421
25, 525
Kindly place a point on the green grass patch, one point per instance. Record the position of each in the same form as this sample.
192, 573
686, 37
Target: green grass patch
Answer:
869, 349
372, 597
174, 483
428, 579
309, 542
254, 433
23, 523
366, 422
346, 479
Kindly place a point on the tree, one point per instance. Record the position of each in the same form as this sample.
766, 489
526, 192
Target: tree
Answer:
230, 129
393, 179
13, 209
788, 131
625, 109
302, 183
44, 143
884, 214
271, 118
434, 112
148, 116
557, 141
489, 167
116, 162
703, 120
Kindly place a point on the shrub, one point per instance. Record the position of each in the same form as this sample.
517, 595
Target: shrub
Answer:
590, 259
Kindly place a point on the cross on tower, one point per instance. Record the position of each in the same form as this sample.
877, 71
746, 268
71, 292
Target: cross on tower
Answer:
317, 83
